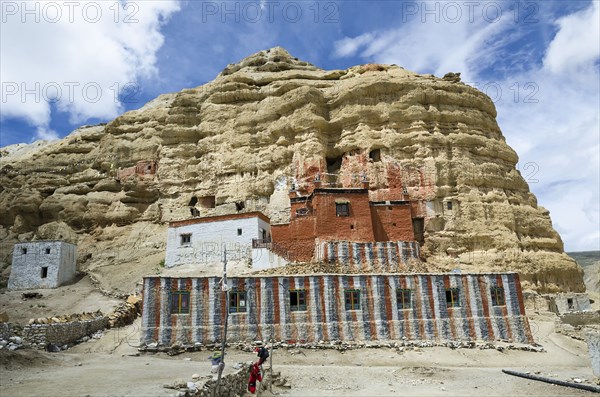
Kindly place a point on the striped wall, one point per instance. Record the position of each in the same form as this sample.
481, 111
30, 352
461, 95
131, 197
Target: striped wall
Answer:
326, 318
386, 256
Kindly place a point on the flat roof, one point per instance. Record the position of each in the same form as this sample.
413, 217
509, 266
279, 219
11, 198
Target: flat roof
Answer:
334, 274
220, 218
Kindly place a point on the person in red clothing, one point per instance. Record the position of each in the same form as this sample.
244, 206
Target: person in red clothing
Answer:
255, 375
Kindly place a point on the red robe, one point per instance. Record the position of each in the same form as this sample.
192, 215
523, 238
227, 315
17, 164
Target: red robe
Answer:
254, 376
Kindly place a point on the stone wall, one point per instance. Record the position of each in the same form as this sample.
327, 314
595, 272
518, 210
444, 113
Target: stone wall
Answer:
6, 330
325, 314
234, 384
40, 335
569, 302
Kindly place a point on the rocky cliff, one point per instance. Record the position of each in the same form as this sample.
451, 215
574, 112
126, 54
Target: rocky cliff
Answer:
240, 141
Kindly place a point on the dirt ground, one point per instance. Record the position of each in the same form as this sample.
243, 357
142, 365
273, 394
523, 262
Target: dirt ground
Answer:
111, 366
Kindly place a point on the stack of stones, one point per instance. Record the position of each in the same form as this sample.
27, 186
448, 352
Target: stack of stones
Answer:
126, 312
12, 343
62, 330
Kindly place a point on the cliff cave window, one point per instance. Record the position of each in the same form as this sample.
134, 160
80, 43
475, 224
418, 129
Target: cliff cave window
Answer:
195, 211
403, 298
419, 230
497, 296
298, 300
193, 201
186, 239
239, 205
180, 302
237, 301
334, 164
239, 232
375, 155
24, 251
452, 297
207, 202
449, 205
352, 299
44, 272
342, 209
47, 251
570, 304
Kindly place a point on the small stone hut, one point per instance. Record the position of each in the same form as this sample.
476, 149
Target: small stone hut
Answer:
42, 264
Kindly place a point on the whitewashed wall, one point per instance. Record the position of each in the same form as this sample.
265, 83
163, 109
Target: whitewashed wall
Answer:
209, 238
26, 270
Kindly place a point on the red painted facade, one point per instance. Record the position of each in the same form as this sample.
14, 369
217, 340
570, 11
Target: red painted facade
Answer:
322, 215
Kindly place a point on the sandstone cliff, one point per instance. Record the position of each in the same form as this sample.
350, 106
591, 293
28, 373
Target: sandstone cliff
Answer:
238, 142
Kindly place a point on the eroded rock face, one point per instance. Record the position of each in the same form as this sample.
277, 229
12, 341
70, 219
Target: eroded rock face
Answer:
238, 143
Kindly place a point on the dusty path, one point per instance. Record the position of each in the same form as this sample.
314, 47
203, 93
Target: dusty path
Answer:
109, 368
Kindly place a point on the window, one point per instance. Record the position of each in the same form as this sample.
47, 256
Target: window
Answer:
352, 299
298, 300
452, 298
342, 209
403, 297
570, 304
239, 232
23, 251
44, 271
449, 205
180, 302
186, 239
237, 301
497, 296
47, 250
375, 155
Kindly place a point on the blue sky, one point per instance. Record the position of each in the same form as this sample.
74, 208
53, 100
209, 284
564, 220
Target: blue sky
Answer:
539, 61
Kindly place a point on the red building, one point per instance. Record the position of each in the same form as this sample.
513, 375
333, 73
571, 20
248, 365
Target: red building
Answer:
345, 215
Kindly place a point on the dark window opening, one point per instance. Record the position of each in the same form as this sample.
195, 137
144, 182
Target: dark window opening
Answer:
298, 300
375, 155
452, 297
239, 205
497, 296
352, 299
334, 164
403, 298
239, 232
394, 224
186, 238
342, 209
47, 250
237, 301
193, 201
149, 167
351, 226
195, 211
570, 304
419, 230
180, 302
207, 202
449, 205
23, 251
44, 271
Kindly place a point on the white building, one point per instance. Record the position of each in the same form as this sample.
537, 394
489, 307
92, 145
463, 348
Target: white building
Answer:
200, 241
42, 264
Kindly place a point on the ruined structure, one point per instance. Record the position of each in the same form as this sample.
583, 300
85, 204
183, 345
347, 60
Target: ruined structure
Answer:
312, 308
42, 264
238, 144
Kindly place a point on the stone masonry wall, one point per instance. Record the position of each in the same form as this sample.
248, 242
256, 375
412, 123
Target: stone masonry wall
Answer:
40, 335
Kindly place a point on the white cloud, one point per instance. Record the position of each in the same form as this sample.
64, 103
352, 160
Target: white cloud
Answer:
84, 51
548, 113
577, 43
